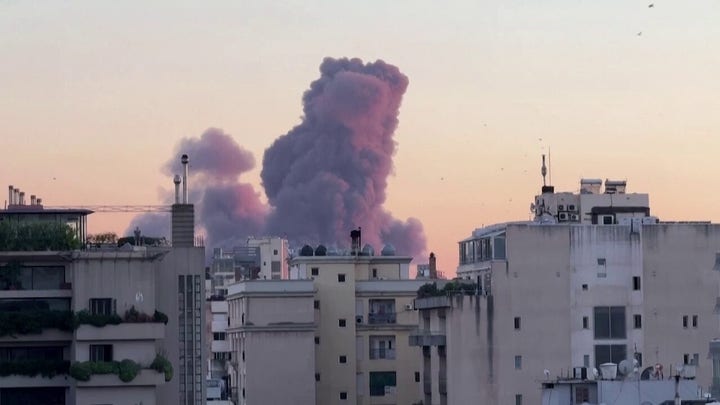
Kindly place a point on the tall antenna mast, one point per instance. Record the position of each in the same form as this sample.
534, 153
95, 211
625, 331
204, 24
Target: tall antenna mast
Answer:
543, 170
549, 166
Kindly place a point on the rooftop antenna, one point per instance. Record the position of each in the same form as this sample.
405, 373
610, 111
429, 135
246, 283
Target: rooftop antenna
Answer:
544, 170
549, 166
184, 160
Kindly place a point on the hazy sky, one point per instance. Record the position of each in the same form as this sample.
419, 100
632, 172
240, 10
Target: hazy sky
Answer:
95, 94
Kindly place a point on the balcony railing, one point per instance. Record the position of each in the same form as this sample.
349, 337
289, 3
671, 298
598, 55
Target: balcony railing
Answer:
377, 354
421, 337
380, 319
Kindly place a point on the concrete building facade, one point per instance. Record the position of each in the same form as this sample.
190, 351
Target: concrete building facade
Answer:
608, 285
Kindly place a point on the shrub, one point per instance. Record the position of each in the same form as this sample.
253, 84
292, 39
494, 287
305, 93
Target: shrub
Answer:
162, 365
81, 371
128, 370
428, 290
36, 235
160, 317
34, 321
98, 320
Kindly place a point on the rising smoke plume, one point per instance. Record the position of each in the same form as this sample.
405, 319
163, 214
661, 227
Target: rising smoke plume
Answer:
324, 177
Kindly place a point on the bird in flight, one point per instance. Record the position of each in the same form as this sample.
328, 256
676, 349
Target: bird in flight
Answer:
651, 5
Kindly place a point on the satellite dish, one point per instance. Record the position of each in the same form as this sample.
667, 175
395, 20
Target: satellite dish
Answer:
626, 367
647, 373
595, 373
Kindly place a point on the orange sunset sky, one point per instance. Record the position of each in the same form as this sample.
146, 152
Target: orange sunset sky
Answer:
94, 95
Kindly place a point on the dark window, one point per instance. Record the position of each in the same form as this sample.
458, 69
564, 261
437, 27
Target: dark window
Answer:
636, 283
243, 355
379, 380
601, 261
316, 304
417, 376
275, 252
518, 399
219, 335
610, 354
637, 321
517, 322
317, 376
102, 306
314, 271
518, 362
341, 278
374, 273
343, 395
586, 322
607, 220
343, 359
609, 322
582, 395
686, 359
101, 353
317, 340
584, 287
695, 321
341, 323
685, 321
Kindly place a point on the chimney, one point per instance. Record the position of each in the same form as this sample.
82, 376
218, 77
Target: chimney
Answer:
356, 241
22, 198
32, 199
10, 195
16, 196
177, 181
184, 160
183, 214
433, 266
38, 201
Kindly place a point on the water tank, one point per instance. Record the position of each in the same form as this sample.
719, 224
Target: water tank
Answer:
388, 250
321, 251
608, 371
367, 250
306, 250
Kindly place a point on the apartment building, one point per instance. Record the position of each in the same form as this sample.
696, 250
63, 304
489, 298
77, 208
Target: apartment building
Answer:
86, 324
593, 279
355, 307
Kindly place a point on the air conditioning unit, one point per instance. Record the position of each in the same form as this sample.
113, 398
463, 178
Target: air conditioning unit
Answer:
572, 207
408, 307
574, 217
561, 207
563, 216
358, 319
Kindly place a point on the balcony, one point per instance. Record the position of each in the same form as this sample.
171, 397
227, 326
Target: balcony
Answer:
123, 331
382, 318
442, 301
382, 354
145, 378
34, 373
426, 338
21, 381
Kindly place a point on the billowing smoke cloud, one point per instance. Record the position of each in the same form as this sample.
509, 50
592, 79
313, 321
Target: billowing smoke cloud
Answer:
322, 179
227, 209
328, 175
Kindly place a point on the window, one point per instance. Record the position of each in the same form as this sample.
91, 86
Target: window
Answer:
609, 322
275, 252
219, 335
695, 321
417, 376
343, 395
314, 271
586, 322
341, 323
317, 376
102, 306
343, 359
636, 283
607, 220
382, 311
584, 287
601, 261
637, 321
517, 322
586, 360
102, 353
685, 321
317, 340
518, 399
686, 359
341, 278
316, 304
610, 354
374, 273
582, 395
518, 362
696, 359
382, 347
380, 380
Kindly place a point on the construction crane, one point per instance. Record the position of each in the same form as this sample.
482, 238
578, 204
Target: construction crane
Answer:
114, 208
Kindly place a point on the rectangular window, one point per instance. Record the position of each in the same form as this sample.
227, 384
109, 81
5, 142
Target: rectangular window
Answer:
417, 376
637, 321
609, 322
343, 395
382, 311
518, 362
341, 323
518, 399
582, 395
101, 353
317, 340
636, 283
341, 278
695, 321
686, 359
685, 321
586, 360
517, 322
586, 322
343, 359
314, 271
374, 273
584, 287
102, 306
316, 304
601, 261
317, 376
219, 335
382, 347
381, 381
610, 354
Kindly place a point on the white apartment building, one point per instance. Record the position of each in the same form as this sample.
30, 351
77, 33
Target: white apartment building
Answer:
593, 279
356, 310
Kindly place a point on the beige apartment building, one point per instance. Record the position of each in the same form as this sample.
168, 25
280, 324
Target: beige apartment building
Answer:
355, 308
98, 324
594, 279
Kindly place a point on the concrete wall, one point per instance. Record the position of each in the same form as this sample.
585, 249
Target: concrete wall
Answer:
123, 396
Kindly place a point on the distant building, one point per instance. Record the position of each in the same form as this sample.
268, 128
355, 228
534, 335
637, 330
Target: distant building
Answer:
593, 279
351, 311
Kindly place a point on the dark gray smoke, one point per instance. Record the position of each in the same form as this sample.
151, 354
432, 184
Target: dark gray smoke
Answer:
328, 175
